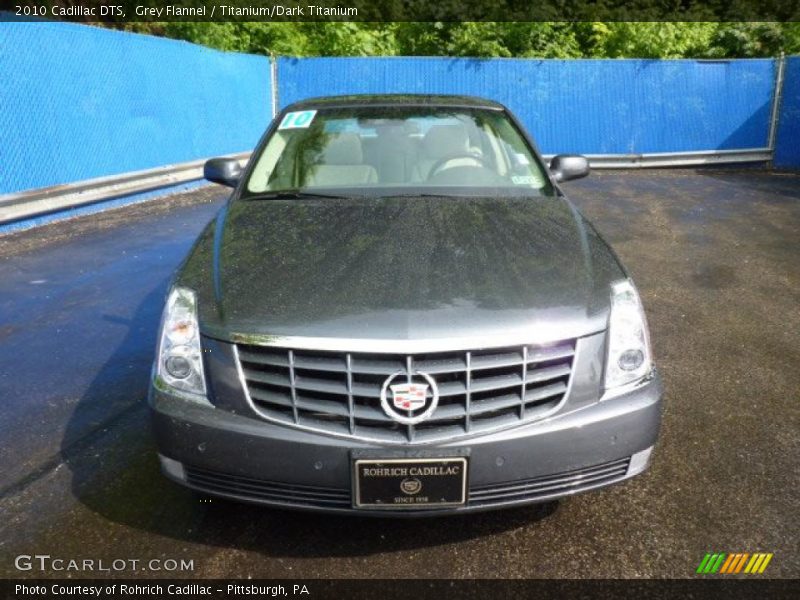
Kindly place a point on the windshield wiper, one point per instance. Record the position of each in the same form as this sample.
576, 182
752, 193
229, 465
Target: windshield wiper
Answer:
421, 195
291, 195
482, 194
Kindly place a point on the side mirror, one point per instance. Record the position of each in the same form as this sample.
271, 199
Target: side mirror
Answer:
569, 166
225, 171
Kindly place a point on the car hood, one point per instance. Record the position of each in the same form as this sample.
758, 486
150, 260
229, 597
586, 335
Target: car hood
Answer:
401, 268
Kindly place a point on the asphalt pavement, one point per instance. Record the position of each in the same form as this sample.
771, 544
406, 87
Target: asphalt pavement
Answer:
716, 256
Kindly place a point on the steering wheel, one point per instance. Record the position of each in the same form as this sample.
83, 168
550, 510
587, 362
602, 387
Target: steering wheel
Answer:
441, 164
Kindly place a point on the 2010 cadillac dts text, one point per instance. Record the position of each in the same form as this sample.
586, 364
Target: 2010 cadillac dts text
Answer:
398, 311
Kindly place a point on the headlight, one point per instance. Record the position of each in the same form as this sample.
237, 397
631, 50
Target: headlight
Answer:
180, 361
628, 356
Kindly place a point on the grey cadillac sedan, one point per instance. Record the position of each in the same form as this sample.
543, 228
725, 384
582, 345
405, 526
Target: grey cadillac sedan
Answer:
398, 312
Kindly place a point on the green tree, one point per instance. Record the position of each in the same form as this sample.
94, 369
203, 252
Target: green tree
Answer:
649, 40
599, 39
732, 40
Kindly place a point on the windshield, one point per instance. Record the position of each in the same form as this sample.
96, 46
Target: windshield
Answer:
416, 149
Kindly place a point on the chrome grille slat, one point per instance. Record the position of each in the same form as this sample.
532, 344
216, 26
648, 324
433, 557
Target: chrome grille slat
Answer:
312, 384
495, 404
323, 406
350, 402
523, 385
551, 484
468, 393
293, 383
320, 364
497, 360
409, 378
545, 392
495, 383
270, 378
339, 392
452, 388
264, 358
378, 367
448, 412
434, 367
546, 373
370, 413
270, 396
577, 475
551, 353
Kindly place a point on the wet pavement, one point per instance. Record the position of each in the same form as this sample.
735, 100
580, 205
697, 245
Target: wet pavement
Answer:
716, 256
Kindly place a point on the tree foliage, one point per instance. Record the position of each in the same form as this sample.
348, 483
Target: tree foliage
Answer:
617, 39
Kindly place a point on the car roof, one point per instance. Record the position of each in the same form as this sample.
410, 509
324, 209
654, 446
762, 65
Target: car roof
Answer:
430, 100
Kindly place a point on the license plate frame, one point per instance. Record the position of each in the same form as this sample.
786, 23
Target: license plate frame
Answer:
403, 476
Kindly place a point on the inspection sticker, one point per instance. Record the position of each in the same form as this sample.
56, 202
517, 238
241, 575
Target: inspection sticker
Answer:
297, 120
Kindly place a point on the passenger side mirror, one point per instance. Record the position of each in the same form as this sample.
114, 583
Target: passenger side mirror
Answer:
569, 166
225, 171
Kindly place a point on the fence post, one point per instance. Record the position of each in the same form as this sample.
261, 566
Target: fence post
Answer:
776, 106
273, 72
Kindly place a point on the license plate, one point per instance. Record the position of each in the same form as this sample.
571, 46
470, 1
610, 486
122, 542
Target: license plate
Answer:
400, 484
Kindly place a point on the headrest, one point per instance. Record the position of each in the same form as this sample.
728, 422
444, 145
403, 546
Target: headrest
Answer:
446, 140
343, 149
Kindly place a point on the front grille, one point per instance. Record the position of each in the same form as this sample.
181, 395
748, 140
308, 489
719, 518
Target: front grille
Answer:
339, 393
538, 488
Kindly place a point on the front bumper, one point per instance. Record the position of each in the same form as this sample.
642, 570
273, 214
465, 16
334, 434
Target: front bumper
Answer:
223, 453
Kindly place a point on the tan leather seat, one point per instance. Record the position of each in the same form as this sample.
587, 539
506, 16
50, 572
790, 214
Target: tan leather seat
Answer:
342, 164
392, 153
442, 141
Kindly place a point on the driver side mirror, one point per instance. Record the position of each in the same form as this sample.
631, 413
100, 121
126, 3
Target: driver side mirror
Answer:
225, 171
565, 167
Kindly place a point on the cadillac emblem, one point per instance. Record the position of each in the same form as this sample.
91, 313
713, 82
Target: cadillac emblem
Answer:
409, 396
410, 402
411, 486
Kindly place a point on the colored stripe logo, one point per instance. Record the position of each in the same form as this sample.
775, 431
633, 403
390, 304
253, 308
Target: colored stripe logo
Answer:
738, 562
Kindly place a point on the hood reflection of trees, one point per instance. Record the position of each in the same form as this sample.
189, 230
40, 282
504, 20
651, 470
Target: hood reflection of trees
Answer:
342, 257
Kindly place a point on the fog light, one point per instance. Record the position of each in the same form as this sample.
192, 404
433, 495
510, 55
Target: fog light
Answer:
171, 467
630, 360
179, 367
639, 461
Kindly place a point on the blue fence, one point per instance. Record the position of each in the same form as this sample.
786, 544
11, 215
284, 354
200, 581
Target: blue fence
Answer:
588, 106
79, 102
787, 146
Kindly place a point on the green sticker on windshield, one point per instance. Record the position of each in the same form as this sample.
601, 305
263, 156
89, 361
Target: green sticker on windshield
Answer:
524, 179
298, 119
